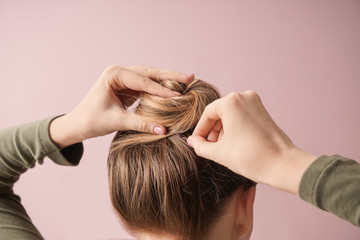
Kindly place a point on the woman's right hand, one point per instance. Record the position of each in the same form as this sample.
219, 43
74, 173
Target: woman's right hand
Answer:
237, 132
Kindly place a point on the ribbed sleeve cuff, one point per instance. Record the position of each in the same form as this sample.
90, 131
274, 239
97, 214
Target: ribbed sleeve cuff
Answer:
69, 156
311, 180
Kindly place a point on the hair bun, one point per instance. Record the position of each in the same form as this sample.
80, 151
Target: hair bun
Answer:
178, 114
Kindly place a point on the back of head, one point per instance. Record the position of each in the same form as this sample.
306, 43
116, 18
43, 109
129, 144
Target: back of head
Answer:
158, 183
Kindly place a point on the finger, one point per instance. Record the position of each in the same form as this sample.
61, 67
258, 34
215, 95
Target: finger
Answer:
208, 119
161, 74
137, 123
215, 132
134, 81
213, 136
202, 147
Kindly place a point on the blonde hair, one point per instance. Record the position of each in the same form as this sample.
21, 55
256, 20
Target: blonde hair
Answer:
157, 182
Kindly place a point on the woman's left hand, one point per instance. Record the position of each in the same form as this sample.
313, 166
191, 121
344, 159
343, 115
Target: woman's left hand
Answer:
103, 110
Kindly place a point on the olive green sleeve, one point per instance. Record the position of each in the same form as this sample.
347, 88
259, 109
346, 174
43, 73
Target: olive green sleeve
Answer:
332, 183
21, 147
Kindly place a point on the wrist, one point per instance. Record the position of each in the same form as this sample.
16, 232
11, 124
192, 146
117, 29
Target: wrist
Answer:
290, 169
63, 131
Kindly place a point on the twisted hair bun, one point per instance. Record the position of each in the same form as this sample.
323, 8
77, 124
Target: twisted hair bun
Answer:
178, 114
158, 183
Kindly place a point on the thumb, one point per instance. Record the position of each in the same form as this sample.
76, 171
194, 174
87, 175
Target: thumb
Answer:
137, 123
202, 147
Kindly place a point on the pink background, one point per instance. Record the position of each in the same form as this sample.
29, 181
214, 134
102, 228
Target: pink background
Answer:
302, 57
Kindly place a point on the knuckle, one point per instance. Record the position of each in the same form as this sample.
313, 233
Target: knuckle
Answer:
239, 98
233, 94
148, 70
112, 70
141, 126
111, 67
207, 112
132, 68
206, 109
235, 98
252, 94
153, 73
144, 82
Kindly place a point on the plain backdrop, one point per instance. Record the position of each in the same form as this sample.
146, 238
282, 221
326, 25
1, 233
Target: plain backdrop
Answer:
302, 57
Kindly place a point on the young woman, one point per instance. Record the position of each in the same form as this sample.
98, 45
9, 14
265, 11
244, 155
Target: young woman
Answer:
235, 131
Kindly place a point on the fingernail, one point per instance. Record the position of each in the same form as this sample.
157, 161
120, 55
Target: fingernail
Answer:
190, 142
159, 130
177, 94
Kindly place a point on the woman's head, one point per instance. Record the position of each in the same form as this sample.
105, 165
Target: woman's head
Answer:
157, 183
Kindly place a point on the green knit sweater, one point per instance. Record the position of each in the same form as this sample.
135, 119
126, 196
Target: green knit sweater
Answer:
330, 183
21, 147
